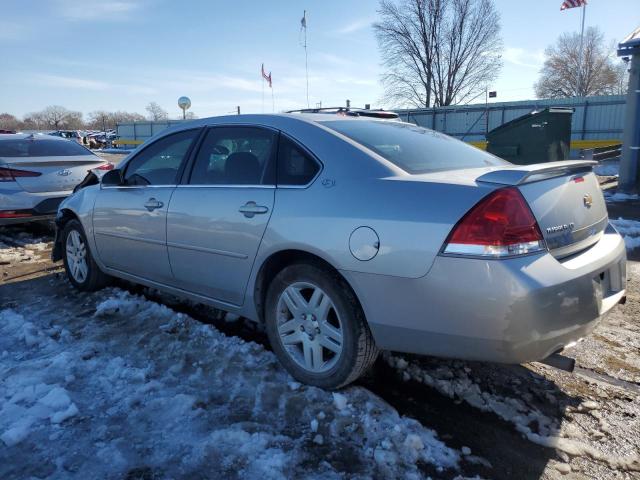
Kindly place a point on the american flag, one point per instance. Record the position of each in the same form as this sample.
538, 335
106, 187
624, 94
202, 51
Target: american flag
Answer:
572, 4
266, 77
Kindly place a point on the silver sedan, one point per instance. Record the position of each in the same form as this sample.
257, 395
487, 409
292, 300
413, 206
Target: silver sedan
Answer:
37, 172
350, 235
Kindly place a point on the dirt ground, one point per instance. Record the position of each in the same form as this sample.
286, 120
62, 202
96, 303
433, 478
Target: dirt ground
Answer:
529, 421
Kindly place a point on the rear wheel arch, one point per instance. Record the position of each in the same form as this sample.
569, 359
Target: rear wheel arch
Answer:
276, 262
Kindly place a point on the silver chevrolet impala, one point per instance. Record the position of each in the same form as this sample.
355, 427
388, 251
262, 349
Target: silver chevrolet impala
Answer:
347, 235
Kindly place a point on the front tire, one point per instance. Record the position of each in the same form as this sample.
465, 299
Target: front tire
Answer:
81, 268
316, 327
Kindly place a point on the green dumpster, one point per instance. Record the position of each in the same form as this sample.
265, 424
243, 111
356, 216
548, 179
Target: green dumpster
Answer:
542, 136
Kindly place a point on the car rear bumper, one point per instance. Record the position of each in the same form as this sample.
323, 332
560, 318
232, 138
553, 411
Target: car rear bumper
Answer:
512, 311
21, 207
30, 218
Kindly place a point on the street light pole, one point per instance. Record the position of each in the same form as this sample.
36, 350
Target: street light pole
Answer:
630, 161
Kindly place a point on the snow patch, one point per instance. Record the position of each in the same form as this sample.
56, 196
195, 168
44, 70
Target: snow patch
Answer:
630, 231
620, 197
607, 169
454, 380
340, 401
157, 389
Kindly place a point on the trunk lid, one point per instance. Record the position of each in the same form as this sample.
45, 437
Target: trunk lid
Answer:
565, 198
57, 173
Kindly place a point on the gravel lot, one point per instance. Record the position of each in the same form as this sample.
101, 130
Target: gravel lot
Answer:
114, 385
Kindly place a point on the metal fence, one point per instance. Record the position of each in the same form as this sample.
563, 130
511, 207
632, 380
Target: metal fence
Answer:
595, 121
132, 134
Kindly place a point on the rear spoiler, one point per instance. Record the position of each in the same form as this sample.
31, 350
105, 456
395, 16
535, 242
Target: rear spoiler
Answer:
520, 174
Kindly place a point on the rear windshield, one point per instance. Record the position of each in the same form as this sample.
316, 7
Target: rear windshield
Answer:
414, 149
41, 148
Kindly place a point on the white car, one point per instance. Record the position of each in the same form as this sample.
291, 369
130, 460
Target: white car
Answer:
37, 172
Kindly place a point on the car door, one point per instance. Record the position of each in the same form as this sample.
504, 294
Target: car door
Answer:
130, 221
218, 216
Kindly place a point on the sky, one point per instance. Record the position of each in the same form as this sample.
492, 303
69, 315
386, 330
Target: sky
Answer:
122, 54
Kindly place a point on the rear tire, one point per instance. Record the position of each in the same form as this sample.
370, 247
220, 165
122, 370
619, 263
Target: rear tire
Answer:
316, 327
81, 268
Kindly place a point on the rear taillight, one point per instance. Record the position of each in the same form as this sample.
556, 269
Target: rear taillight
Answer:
14, 214
106, 166
500, 225
10, 174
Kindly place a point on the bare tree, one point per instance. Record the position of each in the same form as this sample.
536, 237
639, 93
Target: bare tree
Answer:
564, 74
56, 117
73, 121
438, 52
34, 121
119, 117
9, 122
104, 120
101, 119
156, 112
622, 78
468, 56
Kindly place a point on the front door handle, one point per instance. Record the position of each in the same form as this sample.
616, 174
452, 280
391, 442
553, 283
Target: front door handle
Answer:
152, 204
250, 209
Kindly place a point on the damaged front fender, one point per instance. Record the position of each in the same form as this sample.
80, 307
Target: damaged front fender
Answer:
72, 207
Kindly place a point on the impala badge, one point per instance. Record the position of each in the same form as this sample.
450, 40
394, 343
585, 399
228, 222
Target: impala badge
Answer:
65, 172
561, 228
588, 200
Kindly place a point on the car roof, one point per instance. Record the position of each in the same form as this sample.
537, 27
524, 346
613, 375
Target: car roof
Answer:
271, 119
280, 121
30, 136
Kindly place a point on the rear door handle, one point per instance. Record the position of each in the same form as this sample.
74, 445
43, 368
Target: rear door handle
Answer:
250, 209
152, 204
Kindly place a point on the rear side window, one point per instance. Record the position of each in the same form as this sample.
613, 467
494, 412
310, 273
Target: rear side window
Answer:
414, 149
295, 167
159, 163
235, 156
41, 148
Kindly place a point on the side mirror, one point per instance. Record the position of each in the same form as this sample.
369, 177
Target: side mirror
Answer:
113, 178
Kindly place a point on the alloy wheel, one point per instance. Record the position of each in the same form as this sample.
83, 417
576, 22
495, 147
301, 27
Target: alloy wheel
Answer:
309, 327
77, 256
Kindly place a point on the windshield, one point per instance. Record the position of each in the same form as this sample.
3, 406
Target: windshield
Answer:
41, 148
414, 149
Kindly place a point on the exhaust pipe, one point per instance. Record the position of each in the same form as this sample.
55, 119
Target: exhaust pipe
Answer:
560, 362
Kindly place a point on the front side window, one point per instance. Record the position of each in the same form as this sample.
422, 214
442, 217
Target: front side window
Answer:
295, 167
159, 163
235, 156
414, 149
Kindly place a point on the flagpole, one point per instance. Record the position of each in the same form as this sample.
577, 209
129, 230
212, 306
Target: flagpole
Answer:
273, 102
580, 79
306, 61
262, 94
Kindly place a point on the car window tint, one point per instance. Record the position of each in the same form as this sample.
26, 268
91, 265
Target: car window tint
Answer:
159, 163
235, 156
414, 149
295, 167
41, 148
